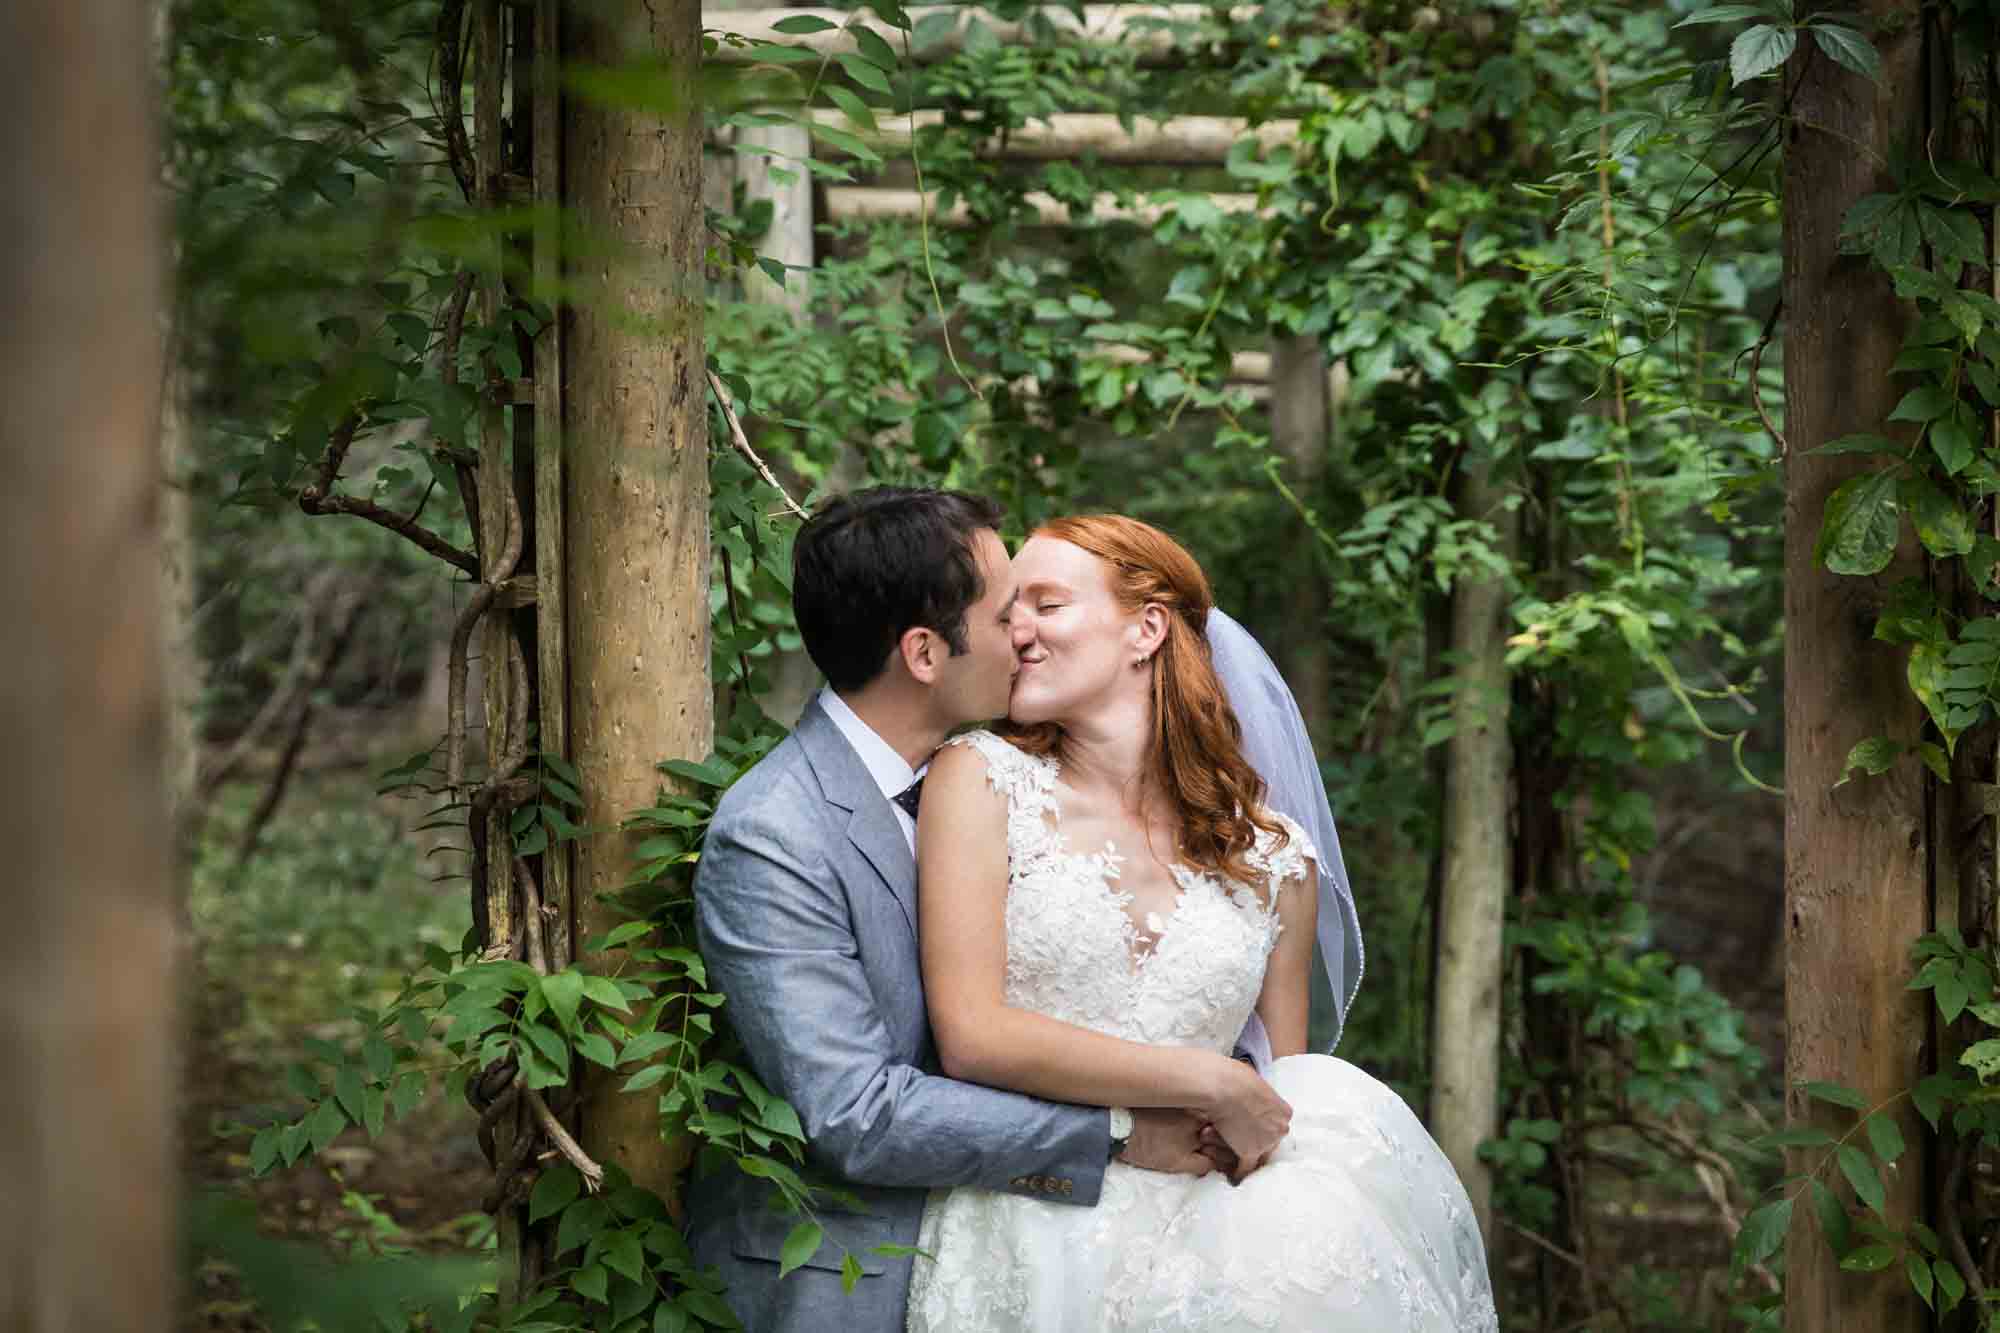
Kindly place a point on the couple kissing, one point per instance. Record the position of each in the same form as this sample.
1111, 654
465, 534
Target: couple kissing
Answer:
1042, 1009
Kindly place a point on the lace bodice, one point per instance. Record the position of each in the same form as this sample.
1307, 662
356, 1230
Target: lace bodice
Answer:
1073, 952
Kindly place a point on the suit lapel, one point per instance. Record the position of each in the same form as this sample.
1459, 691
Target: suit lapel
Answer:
871, 825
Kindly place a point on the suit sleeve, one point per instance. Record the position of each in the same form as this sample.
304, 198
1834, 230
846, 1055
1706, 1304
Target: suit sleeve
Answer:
779, 942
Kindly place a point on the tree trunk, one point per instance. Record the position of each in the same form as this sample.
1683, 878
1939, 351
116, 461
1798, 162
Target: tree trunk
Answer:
636, 480
1465, 1039
86, 1028
1855, 890
1300, 408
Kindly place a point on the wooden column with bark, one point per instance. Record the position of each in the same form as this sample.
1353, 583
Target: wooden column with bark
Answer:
1301, 411
87, 1027
635, 434
1855, 883
1472, 905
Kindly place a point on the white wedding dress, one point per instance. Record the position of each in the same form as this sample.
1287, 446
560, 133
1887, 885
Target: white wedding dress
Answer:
1357, 1224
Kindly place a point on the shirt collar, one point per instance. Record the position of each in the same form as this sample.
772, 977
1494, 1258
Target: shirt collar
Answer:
889, 769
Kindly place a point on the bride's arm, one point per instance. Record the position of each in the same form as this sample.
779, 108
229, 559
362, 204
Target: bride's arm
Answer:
962, 894
1284, 1001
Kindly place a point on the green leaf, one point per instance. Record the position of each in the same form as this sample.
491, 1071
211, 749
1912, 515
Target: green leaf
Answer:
669, 1317
864, 73
1835, 1227
597, 1049
873, 49
1861, 1174
410, 1089
593, 1282
564, 992
845, 142
850, 1272
1847, 48
1952, 444
1760, 50
1943, 527
1926, 402
1723, 14
800, 25
347, 1088
1874, 756
1869, 1259
605, 992
1838, 1094
581, 1221
624, 1254
374, 1105
1983, 1058
1927, 671
264, 1150
800, 1245
558, 1187
1863, 443
1885, 1136
325, 1125
1763, 1232
853, 107
381, 1059
1951, 1287
1920, 1275
1859, 530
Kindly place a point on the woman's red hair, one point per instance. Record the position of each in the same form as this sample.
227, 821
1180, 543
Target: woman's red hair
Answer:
1197, 745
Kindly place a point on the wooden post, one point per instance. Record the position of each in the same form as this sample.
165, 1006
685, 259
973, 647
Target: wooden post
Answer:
1855, 883
790, 238
1300, 427
551, 645
1465, 1038
87, 1028
635, 429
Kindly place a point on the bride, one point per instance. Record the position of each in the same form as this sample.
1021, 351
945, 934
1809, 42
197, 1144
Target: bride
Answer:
1105, 903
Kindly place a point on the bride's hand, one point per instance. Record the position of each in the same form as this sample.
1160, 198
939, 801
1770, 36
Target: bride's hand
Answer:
1248, 1114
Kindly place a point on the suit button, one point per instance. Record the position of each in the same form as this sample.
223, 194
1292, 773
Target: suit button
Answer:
1018, 1183
1068, 1186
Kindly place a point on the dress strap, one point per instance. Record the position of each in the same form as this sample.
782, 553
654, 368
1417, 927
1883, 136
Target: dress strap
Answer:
1029, 784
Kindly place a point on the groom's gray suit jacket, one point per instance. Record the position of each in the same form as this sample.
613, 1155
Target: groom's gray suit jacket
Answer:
806, 904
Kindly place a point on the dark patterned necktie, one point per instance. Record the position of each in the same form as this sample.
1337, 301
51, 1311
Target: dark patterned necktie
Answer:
909, 796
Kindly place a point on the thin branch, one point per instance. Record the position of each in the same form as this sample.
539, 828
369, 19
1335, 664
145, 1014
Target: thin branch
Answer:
461, 638
1537, 1238
531, 917
1757, 389
315, 501
451, 75
1953, 1229
276, 705
742, 443
347, 615
592, 1173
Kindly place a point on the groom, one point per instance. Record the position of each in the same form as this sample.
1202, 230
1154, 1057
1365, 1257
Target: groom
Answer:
807, 910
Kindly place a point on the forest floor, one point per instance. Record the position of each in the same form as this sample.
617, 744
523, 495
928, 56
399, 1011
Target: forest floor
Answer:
324, 919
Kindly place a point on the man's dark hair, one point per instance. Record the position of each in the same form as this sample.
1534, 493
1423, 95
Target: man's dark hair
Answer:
869, 566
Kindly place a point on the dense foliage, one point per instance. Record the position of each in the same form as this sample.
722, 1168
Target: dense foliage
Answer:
1536, 240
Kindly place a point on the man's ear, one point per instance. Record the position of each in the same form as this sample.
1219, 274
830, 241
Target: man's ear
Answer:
919, 648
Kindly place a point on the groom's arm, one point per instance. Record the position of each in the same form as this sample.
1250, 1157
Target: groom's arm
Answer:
778, 938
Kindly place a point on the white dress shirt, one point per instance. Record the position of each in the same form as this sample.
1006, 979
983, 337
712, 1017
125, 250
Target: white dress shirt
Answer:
890, 770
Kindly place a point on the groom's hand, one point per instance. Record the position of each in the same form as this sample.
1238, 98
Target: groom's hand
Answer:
1164, 1140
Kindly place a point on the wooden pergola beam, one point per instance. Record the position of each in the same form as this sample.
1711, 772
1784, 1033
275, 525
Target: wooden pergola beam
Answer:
849, 203
1108, 25
1066, 135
